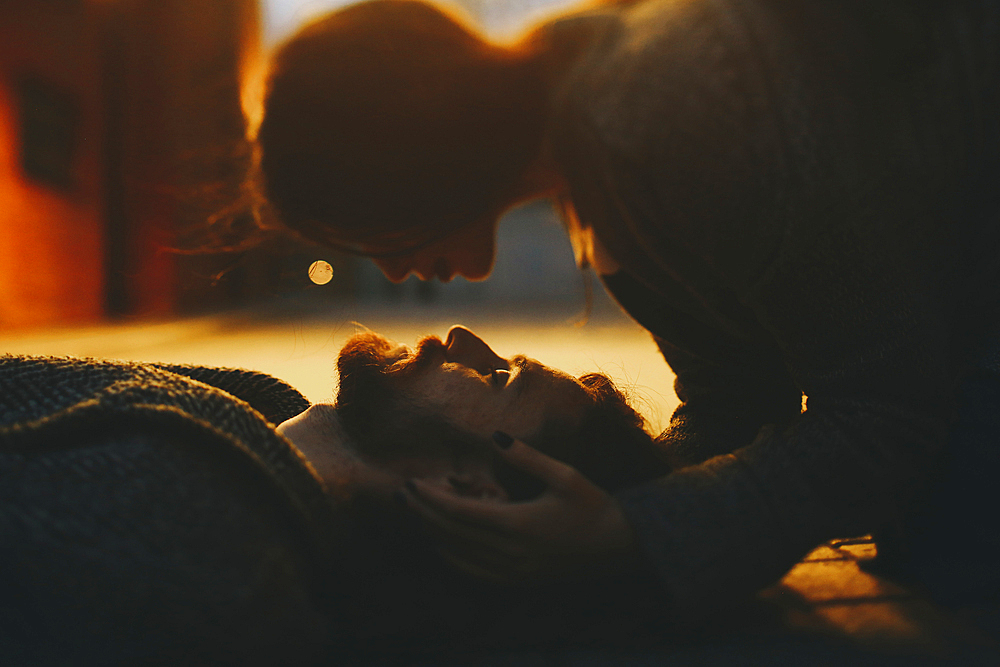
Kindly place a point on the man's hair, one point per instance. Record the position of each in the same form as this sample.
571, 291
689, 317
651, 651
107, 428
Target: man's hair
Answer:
392, 122
611, 447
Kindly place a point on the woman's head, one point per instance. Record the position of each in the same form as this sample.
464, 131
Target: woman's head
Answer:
389, 125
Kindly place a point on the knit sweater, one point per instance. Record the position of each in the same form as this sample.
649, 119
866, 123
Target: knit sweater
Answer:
802, 200
152, 513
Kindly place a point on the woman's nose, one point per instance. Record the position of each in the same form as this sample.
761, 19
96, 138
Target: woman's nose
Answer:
466, 348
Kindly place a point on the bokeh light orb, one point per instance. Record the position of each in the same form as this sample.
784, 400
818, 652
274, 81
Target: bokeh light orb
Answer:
320, 272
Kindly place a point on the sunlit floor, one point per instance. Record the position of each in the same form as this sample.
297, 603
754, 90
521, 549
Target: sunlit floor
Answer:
299, 343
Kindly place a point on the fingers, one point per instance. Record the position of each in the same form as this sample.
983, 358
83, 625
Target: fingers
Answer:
481, 550
440, 507
556, 474
503, 542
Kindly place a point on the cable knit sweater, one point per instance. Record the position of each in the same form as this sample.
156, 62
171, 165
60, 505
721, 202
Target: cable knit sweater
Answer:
152, 513
803, 201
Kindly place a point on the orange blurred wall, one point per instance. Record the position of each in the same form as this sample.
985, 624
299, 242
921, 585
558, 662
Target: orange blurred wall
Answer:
154, 88
51, 241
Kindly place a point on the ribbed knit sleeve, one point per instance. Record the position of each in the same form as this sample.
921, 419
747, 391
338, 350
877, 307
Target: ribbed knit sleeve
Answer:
47, 402
790, 205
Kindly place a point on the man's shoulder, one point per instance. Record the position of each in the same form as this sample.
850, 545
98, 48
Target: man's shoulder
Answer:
68, 404
36, 386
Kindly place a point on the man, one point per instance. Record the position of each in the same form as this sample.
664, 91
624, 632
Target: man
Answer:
156, 512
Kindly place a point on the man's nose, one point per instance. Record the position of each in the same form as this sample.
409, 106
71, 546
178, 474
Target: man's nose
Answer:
466, 348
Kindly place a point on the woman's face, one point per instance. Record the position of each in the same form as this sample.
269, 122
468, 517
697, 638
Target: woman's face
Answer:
468, 252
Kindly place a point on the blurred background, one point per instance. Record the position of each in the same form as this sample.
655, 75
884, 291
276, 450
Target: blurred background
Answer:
121, 134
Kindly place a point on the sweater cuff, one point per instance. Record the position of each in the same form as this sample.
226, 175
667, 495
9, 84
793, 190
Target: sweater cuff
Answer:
709, 536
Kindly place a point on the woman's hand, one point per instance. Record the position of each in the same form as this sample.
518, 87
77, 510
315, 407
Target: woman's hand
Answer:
574, 529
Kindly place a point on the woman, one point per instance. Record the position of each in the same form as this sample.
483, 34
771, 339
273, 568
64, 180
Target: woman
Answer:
795, 198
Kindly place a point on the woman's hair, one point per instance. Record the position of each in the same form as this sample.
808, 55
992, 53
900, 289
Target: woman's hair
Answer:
390, 123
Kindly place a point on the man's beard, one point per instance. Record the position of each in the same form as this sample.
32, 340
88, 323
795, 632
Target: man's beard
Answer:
378, 417
368, 353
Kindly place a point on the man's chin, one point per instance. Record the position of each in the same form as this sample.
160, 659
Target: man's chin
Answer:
372, 351
361, 360
367, 362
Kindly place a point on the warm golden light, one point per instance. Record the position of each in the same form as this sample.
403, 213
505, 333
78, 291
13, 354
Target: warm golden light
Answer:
320, 272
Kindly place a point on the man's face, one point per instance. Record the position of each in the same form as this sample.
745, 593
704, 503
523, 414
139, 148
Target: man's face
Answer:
465, 383
431, 412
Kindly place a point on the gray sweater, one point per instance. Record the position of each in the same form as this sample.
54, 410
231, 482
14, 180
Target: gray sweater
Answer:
151, 513
803, 200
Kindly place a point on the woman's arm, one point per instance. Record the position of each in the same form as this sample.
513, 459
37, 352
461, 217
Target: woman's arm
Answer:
574, 530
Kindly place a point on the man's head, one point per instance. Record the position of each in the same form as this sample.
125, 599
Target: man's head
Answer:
389, 125
431, 412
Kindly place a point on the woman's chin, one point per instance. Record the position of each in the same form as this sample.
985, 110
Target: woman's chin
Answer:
475, 274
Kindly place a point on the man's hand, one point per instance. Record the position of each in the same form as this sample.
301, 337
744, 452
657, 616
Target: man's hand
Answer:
574, 529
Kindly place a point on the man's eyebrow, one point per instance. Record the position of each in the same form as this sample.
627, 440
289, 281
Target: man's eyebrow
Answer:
520, 362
